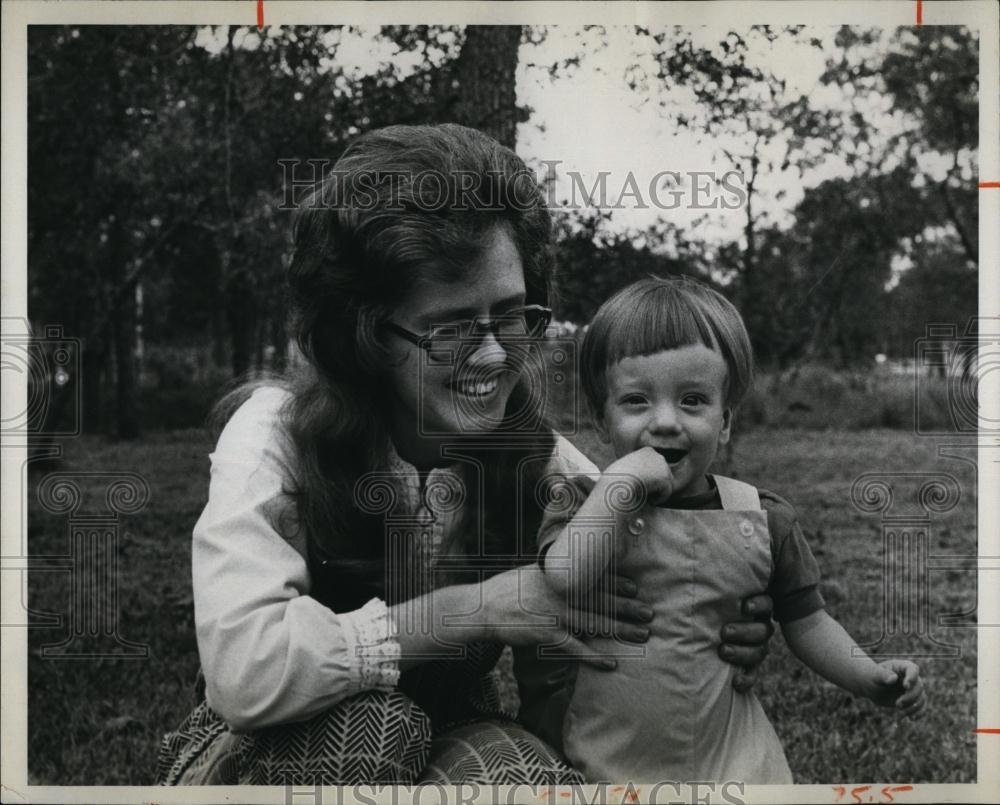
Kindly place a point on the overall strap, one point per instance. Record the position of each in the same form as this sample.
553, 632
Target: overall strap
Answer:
737, 495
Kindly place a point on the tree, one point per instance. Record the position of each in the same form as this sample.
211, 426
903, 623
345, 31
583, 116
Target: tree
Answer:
743, 109
939, 288
914, 175
931, 76
474, 84
90, 227
140, 135
485, 97
836, 261
594, 262
819, 288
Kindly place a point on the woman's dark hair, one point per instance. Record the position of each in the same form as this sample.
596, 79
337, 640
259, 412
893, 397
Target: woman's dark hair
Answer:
402, 203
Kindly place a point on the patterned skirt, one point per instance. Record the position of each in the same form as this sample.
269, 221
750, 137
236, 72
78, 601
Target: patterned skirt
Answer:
443, 725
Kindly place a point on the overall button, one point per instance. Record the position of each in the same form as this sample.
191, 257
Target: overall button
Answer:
637, 526
746, 528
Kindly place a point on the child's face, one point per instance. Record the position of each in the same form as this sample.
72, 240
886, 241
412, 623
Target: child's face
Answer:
674, 401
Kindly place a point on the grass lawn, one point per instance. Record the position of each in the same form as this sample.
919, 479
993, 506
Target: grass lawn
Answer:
99, 722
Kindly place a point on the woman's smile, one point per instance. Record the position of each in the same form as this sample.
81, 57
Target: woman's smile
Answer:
482, 383
478, 390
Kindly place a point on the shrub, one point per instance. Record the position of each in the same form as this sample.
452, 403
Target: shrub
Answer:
815, 397
184, 405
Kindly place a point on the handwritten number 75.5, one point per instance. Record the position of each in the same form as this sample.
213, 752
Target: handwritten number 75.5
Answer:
864, 793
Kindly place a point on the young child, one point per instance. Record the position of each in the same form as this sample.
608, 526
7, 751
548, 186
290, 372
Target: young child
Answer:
664, 365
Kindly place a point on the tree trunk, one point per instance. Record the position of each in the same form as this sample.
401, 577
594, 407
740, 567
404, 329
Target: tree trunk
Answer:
123, 321
95, 354
969, 244
92, 369
750, 298
259, 341
127, 398
485, 98
219, 357
242, 309
280, 340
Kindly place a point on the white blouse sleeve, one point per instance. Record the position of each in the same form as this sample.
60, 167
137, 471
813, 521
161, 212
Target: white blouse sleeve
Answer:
270, 653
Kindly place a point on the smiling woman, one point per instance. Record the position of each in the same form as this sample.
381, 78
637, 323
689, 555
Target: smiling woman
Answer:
369, 543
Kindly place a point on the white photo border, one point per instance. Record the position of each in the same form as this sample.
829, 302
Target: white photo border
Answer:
981, 15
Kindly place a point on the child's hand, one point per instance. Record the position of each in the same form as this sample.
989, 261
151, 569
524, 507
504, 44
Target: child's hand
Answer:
650, 469
897, 684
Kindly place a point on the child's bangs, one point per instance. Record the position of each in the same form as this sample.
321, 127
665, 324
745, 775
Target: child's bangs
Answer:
657, 320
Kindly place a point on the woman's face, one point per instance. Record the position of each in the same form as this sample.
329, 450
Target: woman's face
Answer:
442, 394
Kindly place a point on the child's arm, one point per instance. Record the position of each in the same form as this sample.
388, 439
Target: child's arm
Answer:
580, 554
823, 644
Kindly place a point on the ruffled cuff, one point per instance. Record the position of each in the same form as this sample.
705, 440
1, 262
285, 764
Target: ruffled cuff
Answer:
372, 651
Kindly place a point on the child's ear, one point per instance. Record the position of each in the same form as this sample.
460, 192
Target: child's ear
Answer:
727, 425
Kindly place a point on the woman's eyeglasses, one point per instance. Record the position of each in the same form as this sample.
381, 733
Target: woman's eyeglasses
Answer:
443, 341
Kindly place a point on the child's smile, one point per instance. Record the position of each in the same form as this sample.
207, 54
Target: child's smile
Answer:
674, 402
672, 455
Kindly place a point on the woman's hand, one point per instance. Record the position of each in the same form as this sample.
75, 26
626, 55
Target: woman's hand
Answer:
744, 643
522, 610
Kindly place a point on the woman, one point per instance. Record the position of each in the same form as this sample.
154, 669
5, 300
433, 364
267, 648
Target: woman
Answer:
368, 546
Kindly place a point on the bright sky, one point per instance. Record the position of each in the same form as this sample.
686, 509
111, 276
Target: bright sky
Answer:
590, 121
593, 121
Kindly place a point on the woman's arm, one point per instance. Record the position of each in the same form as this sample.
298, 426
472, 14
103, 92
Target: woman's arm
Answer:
518, 608
270, 652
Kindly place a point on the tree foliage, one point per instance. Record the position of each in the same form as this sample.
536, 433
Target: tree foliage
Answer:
905, 125
594, 261
155, 170
155, 160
